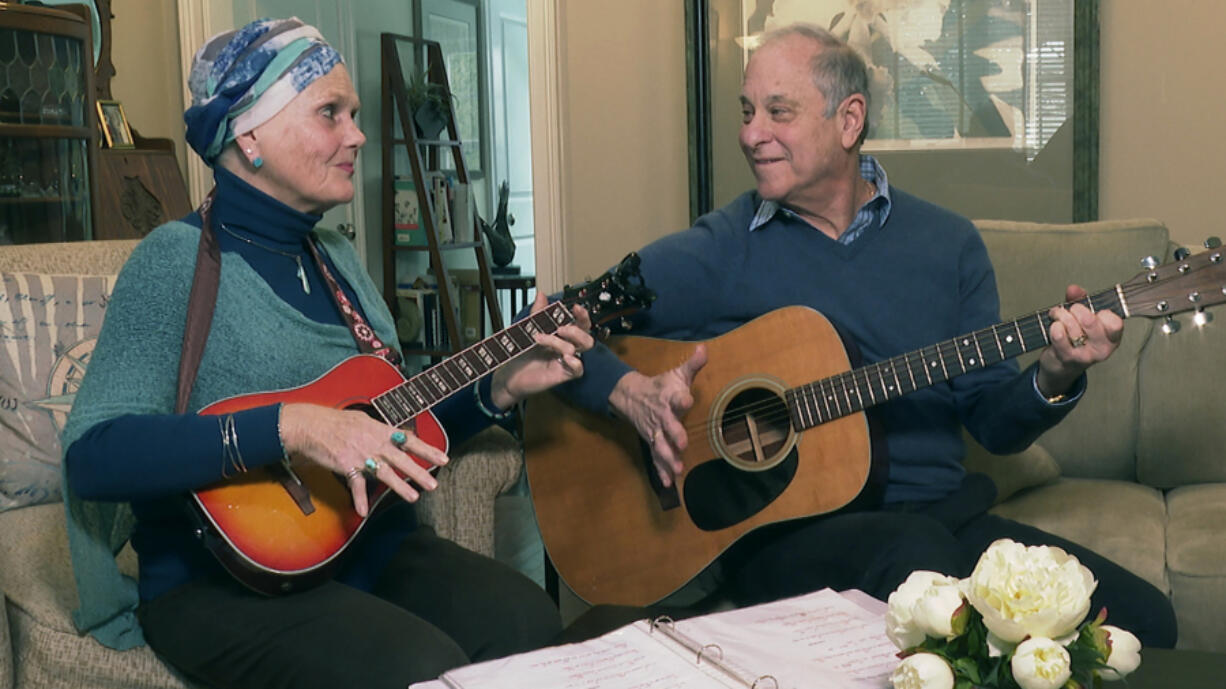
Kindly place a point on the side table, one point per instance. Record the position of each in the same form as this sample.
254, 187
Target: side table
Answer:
517, 288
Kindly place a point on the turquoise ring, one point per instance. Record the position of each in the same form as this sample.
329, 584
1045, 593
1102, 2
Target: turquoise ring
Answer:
372, 465
399, 438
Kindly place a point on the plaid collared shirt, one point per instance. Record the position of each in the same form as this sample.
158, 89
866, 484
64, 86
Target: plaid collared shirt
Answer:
872, 214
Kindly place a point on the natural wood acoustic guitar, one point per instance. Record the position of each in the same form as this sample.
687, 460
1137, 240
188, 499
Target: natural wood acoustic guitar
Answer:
284, 527
777, 432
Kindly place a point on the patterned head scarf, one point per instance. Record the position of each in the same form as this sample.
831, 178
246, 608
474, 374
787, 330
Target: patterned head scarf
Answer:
241, 78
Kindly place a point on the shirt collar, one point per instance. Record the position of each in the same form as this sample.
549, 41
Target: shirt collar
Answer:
870, 170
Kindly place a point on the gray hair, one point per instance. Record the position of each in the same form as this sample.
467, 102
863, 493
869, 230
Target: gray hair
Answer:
838, 70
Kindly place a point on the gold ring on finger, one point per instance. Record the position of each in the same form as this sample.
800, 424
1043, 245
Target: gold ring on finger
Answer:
1079, 341
353, 473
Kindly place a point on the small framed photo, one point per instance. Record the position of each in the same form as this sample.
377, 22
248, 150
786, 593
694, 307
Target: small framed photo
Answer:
114, 124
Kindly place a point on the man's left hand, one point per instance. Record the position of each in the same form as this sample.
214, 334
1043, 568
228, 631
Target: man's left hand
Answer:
1080, 338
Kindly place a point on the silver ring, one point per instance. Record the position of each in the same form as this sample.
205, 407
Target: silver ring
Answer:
372, 466
1079, 341
352, 473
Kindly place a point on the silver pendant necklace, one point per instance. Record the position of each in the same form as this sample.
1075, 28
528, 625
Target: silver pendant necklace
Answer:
302, 276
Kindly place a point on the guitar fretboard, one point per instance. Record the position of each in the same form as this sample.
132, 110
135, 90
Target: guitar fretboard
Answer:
853, 391
437, 383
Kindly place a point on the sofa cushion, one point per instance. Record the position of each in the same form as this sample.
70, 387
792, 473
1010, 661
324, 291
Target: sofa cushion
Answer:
461, 508
37, 582
1034, 262
1123, 521
1029, 468
6, 647
51, 659
48, 327
1182, 436
1196, 540
1196, 556
36, 576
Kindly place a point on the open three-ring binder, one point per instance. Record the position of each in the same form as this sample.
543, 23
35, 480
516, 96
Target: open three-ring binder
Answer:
822, 639
711, 655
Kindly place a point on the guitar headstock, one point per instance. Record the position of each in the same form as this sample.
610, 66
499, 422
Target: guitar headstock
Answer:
1190, 282
613, 296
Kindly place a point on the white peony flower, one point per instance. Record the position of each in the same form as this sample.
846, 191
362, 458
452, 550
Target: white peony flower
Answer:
1029, 591
1040, 663
923, 671
934, 612
901, 626
1125, 652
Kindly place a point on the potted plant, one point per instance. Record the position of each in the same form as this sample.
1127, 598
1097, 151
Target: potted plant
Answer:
429, 102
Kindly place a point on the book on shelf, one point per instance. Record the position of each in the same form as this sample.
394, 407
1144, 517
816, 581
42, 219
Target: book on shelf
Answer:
407, 225
440, 187
462, 211
822, 639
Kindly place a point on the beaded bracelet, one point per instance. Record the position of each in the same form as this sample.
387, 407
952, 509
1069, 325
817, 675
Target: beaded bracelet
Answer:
480, 399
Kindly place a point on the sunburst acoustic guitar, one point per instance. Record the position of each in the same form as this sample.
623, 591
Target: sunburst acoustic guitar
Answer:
282, 528
776, 433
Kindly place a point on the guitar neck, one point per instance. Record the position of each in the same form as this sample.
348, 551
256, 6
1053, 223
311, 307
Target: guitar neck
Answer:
853, 391
426, 389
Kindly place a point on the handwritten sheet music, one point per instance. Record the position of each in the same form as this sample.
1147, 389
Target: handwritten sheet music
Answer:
824, 639
628, 658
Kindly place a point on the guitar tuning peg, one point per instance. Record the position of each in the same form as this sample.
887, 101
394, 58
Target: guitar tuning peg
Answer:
1202, 318
1170, 326
1212, 243
1182, 253
625, 324
1149, 262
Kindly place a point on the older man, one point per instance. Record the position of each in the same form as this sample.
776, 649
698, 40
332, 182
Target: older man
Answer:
825, 229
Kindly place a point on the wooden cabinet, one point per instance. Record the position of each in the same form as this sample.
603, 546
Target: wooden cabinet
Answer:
47, 126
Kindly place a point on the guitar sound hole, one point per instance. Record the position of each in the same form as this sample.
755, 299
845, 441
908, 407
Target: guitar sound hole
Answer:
718, 495
754, 427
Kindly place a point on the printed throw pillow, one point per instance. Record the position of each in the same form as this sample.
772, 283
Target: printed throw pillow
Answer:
48, 327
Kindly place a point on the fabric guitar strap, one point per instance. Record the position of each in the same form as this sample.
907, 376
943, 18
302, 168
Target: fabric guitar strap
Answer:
363, 334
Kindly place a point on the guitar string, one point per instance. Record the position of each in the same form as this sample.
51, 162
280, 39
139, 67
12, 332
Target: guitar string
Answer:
847, 383
1109, 300
424, 375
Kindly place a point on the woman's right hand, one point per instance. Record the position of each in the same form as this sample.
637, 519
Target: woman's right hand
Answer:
341, 441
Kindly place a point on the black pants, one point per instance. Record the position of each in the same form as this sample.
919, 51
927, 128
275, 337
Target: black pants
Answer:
876, 551
435, 607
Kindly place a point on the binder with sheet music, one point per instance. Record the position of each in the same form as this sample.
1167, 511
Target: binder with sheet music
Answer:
825, 639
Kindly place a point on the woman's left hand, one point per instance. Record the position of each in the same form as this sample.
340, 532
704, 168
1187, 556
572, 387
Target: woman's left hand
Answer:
555, 360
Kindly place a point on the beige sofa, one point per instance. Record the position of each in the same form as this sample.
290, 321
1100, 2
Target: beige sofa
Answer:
39, 646
1138, 470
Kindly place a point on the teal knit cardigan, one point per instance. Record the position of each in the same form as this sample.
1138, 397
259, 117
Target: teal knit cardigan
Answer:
257, 342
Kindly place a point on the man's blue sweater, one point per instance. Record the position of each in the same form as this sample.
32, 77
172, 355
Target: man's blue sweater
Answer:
921, 278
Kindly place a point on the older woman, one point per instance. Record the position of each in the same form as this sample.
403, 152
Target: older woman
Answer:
273, 113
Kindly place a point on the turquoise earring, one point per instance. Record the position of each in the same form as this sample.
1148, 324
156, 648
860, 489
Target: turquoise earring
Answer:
257, 163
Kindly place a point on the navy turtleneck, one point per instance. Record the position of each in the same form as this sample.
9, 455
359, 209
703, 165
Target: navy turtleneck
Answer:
271, 237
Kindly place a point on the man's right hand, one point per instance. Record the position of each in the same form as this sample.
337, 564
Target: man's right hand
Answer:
654, 405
